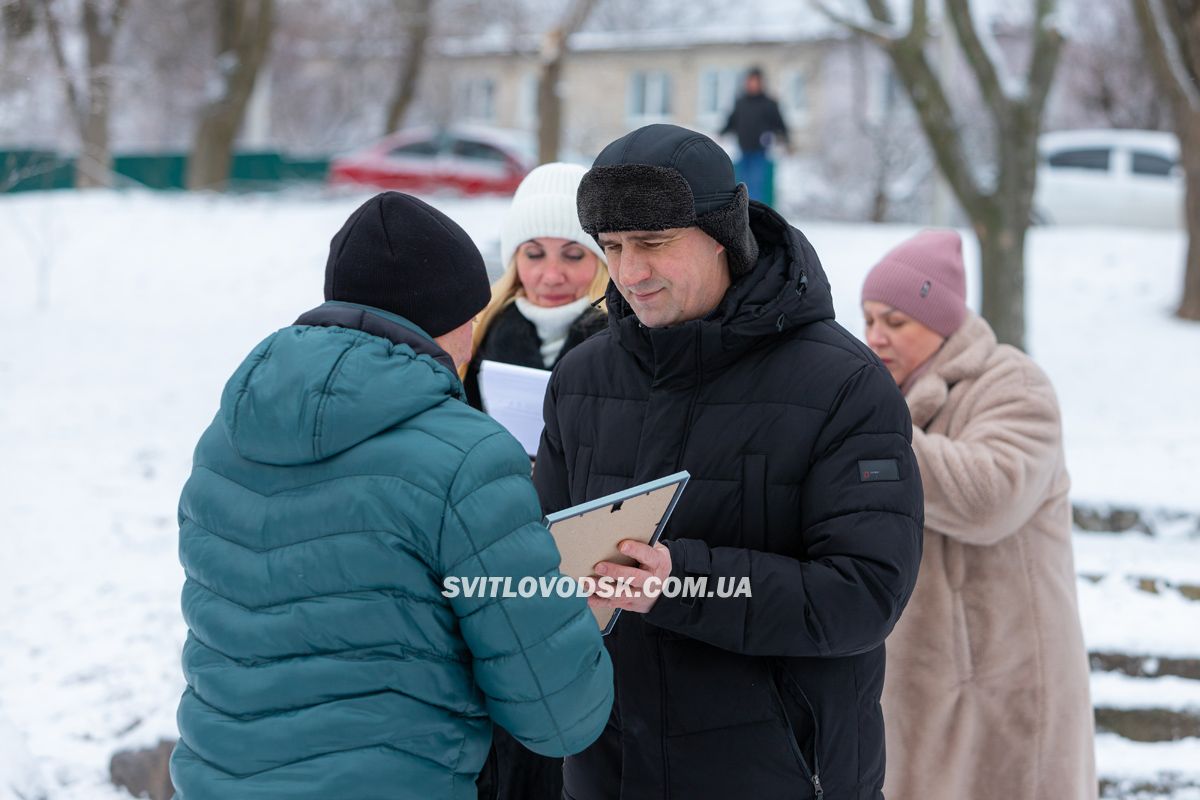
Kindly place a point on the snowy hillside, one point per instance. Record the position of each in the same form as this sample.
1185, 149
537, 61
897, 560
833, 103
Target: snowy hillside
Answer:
121, 316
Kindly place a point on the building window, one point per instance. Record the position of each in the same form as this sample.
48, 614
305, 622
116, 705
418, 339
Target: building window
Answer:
477, 99
718, 91
795, 98
527, 104
884, 96
649, 96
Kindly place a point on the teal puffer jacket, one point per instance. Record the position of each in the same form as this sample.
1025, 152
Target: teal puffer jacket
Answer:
343, 479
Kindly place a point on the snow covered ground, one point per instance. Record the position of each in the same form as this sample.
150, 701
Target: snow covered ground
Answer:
121, 316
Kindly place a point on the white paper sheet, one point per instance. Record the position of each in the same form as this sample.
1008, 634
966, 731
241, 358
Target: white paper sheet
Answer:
513, 396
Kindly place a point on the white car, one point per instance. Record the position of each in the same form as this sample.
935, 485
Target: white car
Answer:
1109, 177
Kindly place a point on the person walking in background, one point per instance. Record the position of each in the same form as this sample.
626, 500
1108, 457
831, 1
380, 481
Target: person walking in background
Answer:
343, 479
542, 306
722, 358
986, 691
756, 121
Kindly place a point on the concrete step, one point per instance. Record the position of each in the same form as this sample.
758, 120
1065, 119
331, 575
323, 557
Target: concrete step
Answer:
1143, 666
1153, 565
1106, 518
1150, 585
1146, 709
1147, 771
1148, 724
1167, 788
1138, 599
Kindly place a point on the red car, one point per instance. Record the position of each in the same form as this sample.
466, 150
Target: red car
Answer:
461, 158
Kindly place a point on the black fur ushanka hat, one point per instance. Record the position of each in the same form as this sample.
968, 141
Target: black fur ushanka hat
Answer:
665, 176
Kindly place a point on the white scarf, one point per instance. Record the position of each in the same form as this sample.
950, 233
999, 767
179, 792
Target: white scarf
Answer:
552, 324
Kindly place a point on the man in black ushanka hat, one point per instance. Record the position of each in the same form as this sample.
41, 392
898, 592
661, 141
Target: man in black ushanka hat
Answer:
804, 510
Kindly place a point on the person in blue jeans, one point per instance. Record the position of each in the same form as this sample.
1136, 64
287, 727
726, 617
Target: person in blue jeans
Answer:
756, 121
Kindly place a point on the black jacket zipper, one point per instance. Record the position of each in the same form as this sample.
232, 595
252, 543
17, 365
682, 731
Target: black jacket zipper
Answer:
813, 774
687, 429
662, 674
662, 710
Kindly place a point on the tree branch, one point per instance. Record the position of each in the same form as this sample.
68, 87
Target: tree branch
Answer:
554, 40
1160, 29
101, 28
1047, 46
1189, 39
119, 12
985, 70
919, 28
927, 94
936, 115
416, 40
1156, 51
576, 15
881, 12
54, 33
882, 33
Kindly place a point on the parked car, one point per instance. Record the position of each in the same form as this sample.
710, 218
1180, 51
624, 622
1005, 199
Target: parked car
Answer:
467, 159
1109, 177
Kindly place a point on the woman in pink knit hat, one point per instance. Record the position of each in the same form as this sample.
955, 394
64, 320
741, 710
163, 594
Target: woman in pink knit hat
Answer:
986, 693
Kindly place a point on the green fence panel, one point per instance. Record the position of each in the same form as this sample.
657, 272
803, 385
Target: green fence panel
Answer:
255, 168
153, 170
305, 169
27, 170
30, 170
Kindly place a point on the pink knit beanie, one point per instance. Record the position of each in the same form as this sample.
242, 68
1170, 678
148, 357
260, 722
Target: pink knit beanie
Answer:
924, 278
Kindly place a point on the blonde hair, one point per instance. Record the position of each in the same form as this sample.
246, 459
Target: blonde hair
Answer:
508, 288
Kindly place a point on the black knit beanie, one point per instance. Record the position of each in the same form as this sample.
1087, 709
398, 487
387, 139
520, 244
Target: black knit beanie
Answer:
665, 176
401, 255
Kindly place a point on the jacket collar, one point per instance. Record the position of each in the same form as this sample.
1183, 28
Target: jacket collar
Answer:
377, 322
786, 289
963, 356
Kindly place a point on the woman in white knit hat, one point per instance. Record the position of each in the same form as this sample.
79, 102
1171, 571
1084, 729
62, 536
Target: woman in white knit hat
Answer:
542, 306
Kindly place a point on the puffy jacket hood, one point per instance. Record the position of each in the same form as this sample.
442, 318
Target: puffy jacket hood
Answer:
325, 384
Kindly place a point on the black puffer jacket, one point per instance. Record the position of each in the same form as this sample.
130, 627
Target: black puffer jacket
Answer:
513, 339
803, 479
753, 117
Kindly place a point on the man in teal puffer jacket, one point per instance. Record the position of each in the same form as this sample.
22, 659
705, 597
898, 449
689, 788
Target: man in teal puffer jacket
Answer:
343, 479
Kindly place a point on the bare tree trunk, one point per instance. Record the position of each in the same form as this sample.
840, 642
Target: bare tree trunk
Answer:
18, 18
1171, 36
90, 106
93, 166
1002, 267
553, 54
419, 23
1189, 138
243, 39
549, 102
879, 203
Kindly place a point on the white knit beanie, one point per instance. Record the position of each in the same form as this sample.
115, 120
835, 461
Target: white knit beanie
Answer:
544, 205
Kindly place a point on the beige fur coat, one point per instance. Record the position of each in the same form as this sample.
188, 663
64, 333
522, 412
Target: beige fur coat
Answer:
986, 694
